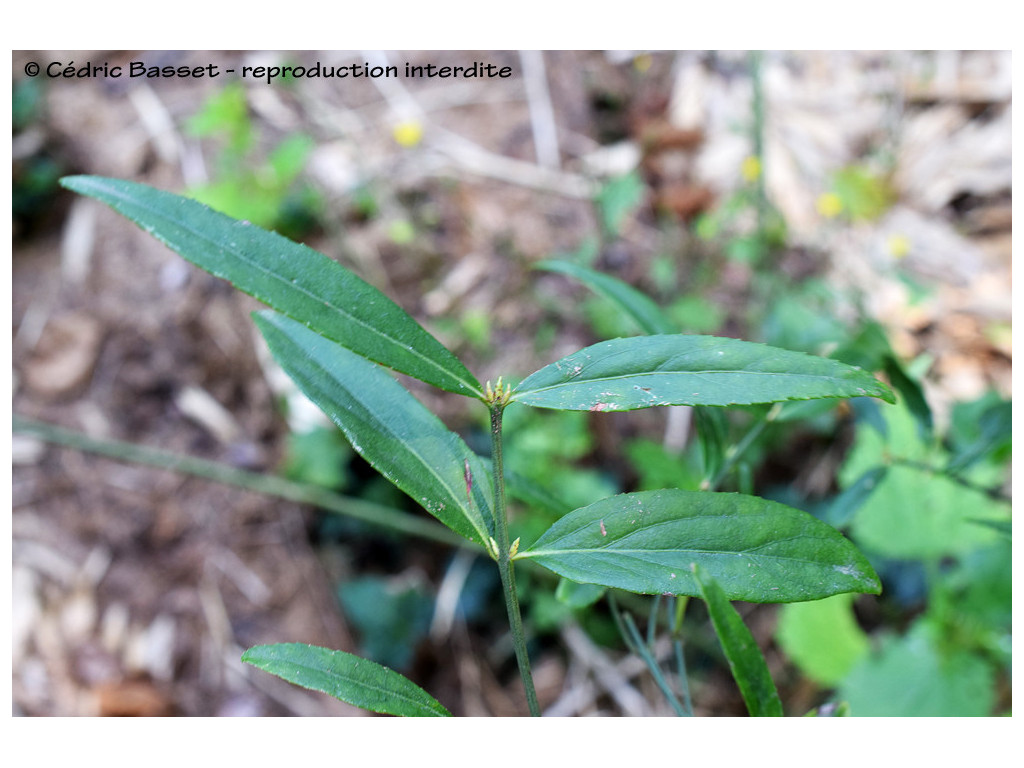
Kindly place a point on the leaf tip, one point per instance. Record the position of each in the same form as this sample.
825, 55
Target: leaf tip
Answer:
867, 580
73, 182
884, 392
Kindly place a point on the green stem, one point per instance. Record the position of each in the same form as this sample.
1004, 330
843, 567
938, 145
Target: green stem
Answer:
268, 485
635, 642
754, 63
680, 608
687, 704
736, 452
675, 632
994, 493
505, 566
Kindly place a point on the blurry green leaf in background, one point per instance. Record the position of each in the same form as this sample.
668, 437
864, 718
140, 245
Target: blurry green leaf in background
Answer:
390, 615
913, 677
318, 457
243, 185
822, 637
914, 512
225, 115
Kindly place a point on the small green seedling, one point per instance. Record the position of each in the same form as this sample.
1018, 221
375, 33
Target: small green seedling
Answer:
334, 335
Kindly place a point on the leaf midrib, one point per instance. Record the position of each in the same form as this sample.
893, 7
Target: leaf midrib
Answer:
356, 682
637, 553
639, 374
419, 456
610, 548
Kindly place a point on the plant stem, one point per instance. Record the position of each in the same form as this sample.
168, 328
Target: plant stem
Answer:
675, 632
754, 63
735, 452
505, 566
268, 485
996, 493
635, 642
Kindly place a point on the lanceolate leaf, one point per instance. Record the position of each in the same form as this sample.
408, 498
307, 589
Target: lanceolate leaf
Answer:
644, 312
291, 278
387, 426
745, 660
625, 374
757, 550
356, 681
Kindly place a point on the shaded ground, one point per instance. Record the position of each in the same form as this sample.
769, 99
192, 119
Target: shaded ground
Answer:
136, 589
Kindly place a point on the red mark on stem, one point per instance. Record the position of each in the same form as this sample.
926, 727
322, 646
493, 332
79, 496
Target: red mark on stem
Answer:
469, 481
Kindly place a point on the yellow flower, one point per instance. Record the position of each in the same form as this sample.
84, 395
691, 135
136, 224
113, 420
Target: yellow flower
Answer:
409, 133
829, 205
751, 168
898, 245
642, 62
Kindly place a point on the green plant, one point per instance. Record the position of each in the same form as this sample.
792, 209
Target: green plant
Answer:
245, 186
929, 512
332, 332
933, 520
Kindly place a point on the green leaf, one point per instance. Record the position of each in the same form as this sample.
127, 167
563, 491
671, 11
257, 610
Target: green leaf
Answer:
225, 113
386, 425
994, 434
355, 681
1005, 527
640, 372
318, 457
869, 348
748, 666
978, 589
916, 676
913, 396
845, 505
532, 493
758, 550
696, 314
803, 322
578, 595
639, 307
868, 413
289, 157
659, 467
390, 616
293, 279
914, 511
919, 514
822, 637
